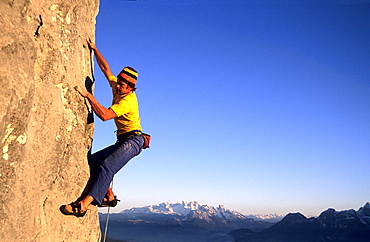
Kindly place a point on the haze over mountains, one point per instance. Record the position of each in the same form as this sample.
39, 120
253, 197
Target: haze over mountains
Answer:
190, 221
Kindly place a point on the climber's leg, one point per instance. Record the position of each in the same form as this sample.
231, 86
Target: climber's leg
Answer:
123, 152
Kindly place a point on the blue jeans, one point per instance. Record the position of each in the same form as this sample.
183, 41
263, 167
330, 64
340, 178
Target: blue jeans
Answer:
105, 163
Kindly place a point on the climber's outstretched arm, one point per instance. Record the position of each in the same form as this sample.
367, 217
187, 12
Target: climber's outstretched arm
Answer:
102, 112
103, 64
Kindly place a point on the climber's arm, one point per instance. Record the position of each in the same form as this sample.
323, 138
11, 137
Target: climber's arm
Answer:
102, 112
102, 63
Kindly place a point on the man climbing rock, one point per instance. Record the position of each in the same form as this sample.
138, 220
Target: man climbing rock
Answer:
106, 163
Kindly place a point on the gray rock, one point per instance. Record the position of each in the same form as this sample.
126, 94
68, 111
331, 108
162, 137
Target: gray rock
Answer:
45, 125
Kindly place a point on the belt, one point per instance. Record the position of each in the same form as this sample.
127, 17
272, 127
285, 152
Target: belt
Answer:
127, 134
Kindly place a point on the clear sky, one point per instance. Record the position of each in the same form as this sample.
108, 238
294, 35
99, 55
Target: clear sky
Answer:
261, 106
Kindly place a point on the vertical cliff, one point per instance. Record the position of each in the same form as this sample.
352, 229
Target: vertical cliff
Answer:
45, 127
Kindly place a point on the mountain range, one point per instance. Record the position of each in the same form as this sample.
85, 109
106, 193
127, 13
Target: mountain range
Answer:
186, 208
181, 221
331, 225
190, 221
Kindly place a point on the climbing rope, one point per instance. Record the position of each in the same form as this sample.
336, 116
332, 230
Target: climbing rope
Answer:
106, 226
106, 221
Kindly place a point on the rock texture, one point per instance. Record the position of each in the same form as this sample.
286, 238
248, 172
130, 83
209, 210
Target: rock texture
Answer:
45, 126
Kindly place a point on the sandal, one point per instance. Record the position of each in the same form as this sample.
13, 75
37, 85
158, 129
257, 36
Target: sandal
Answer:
112, 203
73, 209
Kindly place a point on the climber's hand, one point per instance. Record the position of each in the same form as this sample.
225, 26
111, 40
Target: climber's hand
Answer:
91, 44
82, 91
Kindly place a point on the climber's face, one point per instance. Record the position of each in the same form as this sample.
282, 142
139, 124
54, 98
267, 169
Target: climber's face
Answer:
122, 87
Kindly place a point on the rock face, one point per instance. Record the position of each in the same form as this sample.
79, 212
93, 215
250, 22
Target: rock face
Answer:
45, 126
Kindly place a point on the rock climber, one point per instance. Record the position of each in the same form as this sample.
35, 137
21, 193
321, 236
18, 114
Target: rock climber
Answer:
105, 163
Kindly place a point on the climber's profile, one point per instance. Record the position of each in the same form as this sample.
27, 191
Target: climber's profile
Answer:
105, 163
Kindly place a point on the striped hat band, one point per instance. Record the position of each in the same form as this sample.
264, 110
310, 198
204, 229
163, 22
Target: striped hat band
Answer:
129, 74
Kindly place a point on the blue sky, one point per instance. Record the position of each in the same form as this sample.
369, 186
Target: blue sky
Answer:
261, 106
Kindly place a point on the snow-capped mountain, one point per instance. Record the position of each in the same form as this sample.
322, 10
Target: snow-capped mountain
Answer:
181, 221
186, 209
180, 208
275, 217
190, 215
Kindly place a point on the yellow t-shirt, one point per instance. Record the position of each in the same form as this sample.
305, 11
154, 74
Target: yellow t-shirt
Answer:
127, 109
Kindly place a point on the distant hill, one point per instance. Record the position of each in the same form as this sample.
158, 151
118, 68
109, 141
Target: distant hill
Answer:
348, 225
